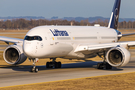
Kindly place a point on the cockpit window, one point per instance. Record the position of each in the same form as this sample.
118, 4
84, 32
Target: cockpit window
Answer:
30, 38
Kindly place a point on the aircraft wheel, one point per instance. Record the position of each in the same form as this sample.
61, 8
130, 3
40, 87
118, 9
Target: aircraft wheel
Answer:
56, 65
49, 65
100, 66
34, 69
108, 66
59, 64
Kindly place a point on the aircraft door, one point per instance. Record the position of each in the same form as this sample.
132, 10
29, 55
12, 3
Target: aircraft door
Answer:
51, 38
98, 38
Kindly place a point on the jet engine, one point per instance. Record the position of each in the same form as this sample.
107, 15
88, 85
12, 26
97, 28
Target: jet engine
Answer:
14, 55
118, 56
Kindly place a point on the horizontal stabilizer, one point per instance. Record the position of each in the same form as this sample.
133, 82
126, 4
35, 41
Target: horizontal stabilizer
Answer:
128, 34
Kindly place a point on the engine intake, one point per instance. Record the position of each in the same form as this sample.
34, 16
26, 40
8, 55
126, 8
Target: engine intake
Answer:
118, 56
14, 55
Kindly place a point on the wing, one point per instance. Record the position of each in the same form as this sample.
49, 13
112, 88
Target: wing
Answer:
97, 48
11, 40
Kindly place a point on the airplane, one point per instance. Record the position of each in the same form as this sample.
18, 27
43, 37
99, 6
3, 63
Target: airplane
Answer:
71, 42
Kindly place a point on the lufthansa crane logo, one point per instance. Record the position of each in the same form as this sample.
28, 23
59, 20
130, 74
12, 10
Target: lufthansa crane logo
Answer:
116, 14
57, 32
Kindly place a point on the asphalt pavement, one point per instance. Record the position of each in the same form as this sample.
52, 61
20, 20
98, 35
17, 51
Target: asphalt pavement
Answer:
18, 75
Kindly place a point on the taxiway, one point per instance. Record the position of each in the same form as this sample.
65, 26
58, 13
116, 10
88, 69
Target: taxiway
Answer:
19, 75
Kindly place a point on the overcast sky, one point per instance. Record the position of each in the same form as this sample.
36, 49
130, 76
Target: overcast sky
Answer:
65, 8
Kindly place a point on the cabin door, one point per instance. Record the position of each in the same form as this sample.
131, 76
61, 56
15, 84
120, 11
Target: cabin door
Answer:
51, 38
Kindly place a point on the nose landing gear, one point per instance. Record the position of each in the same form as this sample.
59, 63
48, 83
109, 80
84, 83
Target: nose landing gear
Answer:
34, 68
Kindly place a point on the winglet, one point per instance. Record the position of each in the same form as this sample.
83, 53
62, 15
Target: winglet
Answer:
115, 15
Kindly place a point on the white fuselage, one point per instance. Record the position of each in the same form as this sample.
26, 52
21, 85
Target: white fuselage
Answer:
61, 41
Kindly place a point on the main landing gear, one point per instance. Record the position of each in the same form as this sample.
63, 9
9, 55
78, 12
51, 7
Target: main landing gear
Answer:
104, 64
34, 68
53, 64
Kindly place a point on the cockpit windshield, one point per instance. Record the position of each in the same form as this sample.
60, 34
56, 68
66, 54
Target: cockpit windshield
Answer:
31, 38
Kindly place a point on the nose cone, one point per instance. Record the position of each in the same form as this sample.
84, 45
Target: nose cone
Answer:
27, 49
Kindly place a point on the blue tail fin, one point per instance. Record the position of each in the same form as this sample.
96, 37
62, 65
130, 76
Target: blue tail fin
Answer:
115, 15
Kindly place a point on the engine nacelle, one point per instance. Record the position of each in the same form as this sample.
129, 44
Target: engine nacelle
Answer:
118, 56
14, 55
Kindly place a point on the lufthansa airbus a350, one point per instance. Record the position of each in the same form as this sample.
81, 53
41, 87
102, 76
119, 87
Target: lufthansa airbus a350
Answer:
71, 42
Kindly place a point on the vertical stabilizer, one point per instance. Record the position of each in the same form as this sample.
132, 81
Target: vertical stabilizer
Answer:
115, 15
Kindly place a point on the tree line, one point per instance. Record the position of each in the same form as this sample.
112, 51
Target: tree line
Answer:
28, 24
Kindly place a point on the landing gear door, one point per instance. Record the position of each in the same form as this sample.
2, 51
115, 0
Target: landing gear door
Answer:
51, 38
